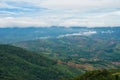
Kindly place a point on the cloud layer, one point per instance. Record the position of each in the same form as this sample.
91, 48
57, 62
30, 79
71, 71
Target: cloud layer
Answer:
45, 13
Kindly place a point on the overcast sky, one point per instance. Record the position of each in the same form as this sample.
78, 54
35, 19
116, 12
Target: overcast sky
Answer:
42, 13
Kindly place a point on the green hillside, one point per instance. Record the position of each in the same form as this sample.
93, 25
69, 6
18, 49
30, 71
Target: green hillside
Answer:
82, 52
99, 75
19, 64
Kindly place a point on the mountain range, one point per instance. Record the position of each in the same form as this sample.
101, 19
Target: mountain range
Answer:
55, 53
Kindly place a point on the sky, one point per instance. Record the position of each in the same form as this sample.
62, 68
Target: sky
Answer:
46, 13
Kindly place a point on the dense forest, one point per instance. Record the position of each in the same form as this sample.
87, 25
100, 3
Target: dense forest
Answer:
19, 64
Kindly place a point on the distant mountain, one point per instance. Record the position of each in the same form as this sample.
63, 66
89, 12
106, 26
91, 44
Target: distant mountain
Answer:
11, 35
19, 64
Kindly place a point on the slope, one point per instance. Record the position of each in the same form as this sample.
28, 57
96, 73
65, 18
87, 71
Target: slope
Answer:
99, 75
19, 64
79, 51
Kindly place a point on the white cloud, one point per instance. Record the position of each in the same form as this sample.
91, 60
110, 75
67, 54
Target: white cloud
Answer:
86, 33
96, 20
80, 4
22, 22
91, 13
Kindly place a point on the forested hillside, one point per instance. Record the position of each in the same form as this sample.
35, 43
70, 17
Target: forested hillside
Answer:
19, 64
99, 75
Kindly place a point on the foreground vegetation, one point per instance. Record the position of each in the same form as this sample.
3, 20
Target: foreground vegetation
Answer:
19, 64
98, 75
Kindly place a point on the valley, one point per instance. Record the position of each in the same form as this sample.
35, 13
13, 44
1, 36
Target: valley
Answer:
63, 52
86, 52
